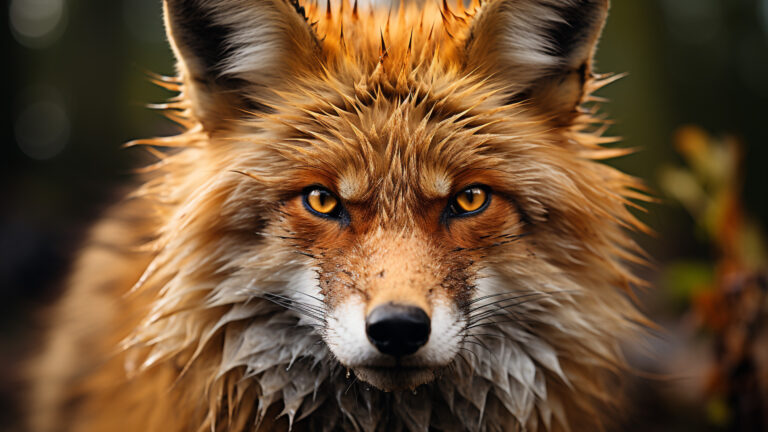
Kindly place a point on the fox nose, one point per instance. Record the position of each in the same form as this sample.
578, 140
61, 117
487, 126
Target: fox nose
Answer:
397, 330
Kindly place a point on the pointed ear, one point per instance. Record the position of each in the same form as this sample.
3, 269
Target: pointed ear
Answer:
230, 52
541, 49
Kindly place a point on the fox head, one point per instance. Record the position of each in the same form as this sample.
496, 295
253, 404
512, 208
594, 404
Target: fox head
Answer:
397, 200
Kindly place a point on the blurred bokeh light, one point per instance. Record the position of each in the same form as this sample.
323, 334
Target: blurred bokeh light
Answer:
37, 23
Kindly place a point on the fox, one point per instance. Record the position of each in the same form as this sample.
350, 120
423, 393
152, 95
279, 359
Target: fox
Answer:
372, 219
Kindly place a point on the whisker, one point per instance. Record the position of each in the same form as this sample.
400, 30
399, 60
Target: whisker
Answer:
493, 315
485, 347
471, 352
351, 384
308, 310
485, 297
305, 313
479, 339
474, 316
291, 299
516, 292
294, 305
497, 302
511, 320
461, 356
308, 295
479, 335
499, 309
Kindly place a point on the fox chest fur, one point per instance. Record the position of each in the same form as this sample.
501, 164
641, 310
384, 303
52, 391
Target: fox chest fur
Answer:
374, 220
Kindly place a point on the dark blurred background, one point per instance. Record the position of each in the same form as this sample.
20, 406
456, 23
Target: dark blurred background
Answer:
695, 102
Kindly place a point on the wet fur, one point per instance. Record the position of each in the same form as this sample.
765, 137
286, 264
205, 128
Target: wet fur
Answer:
202, 301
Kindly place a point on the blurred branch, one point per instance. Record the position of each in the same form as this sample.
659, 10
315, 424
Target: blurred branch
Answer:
733, 307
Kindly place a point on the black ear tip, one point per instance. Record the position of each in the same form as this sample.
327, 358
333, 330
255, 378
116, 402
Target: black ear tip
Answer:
581, 23
200, 41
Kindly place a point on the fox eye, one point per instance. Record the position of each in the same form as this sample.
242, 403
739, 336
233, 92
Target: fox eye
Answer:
470, 201
322, 202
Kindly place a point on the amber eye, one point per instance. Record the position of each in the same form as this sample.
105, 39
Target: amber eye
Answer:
471, 200
322, 202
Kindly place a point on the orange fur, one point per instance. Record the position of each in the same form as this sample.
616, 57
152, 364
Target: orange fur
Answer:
394, 111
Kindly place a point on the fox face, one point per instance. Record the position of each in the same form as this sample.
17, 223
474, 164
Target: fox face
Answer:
404, 200
397, 289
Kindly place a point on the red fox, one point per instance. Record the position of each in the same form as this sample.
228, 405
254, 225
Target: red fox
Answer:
374, 220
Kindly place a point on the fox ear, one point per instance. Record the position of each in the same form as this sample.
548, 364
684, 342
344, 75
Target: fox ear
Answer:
230, 52
541, 49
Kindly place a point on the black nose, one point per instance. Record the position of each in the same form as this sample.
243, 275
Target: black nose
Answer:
397, 330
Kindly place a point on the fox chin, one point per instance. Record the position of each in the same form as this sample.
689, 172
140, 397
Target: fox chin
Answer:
371, 220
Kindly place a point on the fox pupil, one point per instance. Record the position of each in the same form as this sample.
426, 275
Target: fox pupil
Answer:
470, 196
322, 197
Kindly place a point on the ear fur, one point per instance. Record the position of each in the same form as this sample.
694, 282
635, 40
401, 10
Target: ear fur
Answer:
230, 51
541, 49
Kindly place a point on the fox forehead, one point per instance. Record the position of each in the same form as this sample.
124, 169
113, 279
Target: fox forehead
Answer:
416, 147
